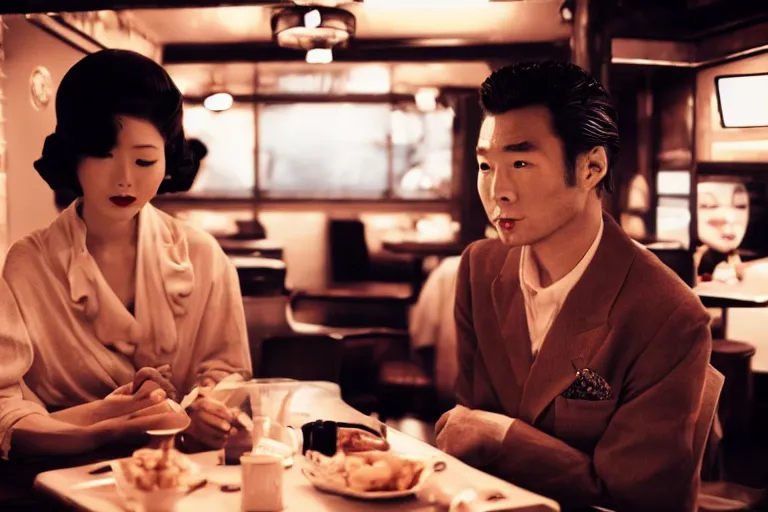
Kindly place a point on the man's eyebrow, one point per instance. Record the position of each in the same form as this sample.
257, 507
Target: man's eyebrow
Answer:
517, 147
520, 147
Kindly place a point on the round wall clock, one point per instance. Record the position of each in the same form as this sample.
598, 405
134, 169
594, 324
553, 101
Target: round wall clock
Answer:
40, 88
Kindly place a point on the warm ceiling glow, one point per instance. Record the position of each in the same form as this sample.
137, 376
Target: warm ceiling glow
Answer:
423, 4
218, 102
319, 56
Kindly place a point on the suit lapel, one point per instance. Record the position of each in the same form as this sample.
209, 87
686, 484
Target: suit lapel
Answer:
581, 326
509, 306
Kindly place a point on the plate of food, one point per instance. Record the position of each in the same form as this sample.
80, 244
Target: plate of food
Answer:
371, 475
155, 479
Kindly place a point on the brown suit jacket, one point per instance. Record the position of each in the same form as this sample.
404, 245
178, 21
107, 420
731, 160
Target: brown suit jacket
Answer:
631, 320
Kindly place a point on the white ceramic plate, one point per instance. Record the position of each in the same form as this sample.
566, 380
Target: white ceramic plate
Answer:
334, 483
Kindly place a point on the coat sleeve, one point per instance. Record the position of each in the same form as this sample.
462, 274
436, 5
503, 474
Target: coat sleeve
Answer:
222, 339
466, 341
16, 355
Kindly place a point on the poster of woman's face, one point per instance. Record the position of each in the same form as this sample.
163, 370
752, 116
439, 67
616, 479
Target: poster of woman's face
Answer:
723, 214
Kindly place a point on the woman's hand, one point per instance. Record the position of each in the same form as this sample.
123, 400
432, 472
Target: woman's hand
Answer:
166, 415
116, 404
76, 430
160, 377
211, 423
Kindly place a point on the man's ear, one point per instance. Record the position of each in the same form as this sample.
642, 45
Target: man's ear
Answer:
591, 168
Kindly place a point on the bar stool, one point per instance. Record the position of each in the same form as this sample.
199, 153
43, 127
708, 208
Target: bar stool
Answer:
734, 360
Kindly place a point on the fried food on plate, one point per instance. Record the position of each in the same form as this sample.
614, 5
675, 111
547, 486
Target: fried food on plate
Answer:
152, 469
370, 471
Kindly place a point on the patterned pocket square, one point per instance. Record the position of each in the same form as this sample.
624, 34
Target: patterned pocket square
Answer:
588, 386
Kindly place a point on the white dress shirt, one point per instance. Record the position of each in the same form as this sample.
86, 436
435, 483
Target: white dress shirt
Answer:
543, 304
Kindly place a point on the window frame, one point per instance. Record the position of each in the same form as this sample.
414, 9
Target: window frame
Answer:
257, 194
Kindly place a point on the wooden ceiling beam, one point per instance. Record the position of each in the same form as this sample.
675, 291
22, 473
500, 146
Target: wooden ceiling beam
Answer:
363, 50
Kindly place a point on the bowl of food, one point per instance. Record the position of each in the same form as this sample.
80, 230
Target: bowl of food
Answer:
155, 479
372, 474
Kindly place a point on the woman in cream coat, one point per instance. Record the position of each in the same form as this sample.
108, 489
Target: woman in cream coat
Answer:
113, 284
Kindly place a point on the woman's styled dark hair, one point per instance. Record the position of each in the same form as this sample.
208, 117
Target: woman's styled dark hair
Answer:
91, 95
198, 148
582, 112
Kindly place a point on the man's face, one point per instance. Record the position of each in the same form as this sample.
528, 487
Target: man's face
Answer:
522, 176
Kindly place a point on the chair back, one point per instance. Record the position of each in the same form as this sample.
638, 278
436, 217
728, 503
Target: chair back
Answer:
705, 427
302, 357
706, 433
260, 276
265, 317
350, 259
679, 260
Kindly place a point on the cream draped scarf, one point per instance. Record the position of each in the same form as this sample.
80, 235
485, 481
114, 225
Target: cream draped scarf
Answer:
163, 271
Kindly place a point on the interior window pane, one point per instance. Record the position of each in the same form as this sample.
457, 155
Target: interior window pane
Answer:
324, 150
673, 219
673, 182
422, 147
230, 138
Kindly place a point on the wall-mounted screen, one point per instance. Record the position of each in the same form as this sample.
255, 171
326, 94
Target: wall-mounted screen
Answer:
743, 100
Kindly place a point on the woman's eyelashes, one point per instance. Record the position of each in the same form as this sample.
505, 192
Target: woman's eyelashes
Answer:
140, 162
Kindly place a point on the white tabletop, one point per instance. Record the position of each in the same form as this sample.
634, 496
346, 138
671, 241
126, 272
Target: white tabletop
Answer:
96, 493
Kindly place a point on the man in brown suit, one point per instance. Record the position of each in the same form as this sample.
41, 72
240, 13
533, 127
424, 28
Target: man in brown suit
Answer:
582, 358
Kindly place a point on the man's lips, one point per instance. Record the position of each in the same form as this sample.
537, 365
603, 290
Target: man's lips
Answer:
122, 200
507, 223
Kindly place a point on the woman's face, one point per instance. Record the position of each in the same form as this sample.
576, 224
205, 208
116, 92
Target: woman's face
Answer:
723, 212
117, 185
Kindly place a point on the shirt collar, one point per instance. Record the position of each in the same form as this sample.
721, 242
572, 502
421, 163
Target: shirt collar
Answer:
529, 272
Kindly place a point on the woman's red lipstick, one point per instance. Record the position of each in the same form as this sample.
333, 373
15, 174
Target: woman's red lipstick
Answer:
122, 201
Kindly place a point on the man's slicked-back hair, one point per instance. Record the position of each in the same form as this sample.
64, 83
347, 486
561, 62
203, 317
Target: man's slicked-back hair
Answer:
582, 112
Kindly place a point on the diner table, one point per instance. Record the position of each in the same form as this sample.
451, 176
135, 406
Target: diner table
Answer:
264, 247
419, 249
78, 488
725, 296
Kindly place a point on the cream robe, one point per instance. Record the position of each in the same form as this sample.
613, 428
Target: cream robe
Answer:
67, 339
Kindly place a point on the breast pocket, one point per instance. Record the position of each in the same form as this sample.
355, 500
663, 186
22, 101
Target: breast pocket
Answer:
581, 423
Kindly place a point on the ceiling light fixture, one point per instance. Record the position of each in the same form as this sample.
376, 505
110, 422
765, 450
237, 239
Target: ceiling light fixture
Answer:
311, 27
218, 101
423, 4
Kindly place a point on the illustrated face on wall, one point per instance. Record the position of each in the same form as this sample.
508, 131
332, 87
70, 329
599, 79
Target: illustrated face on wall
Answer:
723, 214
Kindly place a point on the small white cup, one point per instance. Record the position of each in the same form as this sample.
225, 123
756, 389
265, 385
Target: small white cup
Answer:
262, 482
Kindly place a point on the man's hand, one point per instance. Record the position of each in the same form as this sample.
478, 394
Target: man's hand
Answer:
472, 436
211, 422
